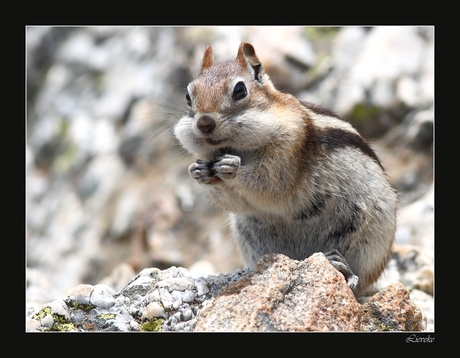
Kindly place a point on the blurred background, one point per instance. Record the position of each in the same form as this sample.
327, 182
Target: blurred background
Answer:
107, 187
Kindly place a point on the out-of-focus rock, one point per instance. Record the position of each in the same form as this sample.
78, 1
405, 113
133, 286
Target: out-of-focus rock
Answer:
119, 277
416, 222
374, 76
39, 290
416, 267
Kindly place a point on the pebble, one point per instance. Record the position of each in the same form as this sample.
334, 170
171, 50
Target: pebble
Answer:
47, 322
187, 315
81, 294
177, 297
201, 286
59, 308
134, 325
187, 296
154, 296
153, 310
133, 310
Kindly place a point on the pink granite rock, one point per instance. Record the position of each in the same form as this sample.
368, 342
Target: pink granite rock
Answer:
392, 310
285, 295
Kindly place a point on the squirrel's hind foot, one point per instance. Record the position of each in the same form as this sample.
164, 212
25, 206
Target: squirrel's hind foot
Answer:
340, 263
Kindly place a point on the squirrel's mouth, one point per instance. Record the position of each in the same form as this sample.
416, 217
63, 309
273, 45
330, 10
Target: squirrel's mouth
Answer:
214, 141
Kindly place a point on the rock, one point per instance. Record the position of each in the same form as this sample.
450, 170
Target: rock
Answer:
119, 277
153, 310
279, 295
426, 303
416, 222
102, 296
420, 131
50, 317
374, 75
416, 267
202, 268
284, 295
413, 266
39, 290
391, 310
310, 295
154, 300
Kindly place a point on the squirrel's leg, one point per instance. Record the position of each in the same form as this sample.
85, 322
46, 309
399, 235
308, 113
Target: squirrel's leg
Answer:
209, 172
340, 263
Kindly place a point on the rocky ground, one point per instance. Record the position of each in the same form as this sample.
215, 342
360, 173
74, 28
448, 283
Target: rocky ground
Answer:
279, 295
108, 194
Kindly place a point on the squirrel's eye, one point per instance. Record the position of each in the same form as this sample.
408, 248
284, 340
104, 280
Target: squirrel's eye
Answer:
189, 100
240, 91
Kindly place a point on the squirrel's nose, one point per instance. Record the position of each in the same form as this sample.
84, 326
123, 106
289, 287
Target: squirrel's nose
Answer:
206, 124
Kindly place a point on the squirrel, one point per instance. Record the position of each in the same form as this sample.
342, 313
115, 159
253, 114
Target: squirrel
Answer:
295, 177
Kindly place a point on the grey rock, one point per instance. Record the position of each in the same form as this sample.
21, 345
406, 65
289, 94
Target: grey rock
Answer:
102, 296
53, 316
175, 284
202, 286
166, 299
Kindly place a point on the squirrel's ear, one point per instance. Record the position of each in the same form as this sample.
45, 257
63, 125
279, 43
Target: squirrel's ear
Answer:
247, 58
208, 59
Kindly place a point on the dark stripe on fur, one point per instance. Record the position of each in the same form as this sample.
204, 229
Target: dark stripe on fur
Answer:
317, 206
346, 226
319, 110
335, 138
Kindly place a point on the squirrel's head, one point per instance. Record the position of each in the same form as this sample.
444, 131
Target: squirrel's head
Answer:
225, 101
226, 85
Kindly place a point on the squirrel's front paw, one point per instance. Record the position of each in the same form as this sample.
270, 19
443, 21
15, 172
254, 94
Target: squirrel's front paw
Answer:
224, 168
201, 171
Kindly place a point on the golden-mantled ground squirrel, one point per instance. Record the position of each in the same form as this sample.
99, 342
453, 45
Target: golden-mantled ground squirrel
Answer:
296, 178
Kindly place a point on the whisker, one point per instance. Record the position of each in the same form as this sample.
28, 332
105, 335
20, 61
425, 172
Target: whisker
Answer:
150, 139
164, 113
170, 98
